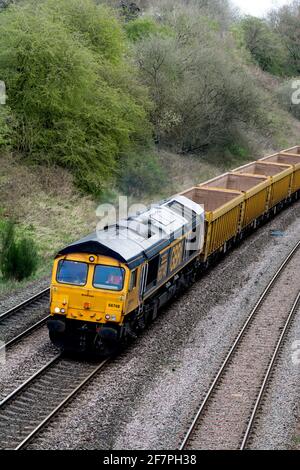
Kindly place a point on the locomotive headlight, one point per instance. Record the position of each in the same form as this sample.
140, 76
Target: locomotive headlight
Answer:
111, 317
59, 310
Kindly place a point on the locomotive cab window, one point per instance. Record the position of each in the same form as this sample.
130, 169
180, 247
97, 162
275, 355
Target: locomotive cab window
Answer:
152, 272
133, 279
72, 272
108, 277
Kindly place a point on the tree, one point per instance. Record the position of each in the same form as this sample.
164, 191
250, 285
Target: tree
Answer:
5, 3
286, 22
200, 88
130, 10
264, 45
73, 93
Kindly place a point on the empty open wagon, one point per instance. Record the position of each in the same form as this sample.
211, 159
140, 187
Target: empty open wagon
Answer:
288, 159
255, 188
281, 176
223, 209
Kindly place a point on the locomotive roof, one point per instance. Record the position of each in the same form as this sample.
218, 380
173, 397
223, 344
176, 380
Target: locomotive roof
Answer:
142, 236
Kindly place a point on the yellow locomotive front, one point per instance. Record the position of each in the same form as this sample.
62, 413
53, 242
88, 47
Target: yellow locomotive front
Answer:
88, 301
108, 286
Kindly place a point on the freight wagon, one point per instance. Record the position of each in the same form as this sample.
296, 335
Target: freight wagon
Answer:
288, 159
281, 181
222, 217
256, 191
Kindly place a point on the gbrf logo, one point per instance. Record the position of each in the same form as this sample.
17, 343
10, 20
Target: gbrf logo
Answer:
296, 94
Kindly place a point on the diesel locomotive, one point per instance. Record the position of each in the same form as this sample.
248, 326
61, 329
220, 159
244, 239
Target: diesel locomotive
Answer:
111, 284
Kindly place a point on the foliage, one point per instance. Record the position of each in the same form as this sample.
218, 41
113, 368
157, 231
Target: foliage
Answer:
130, 10
142, 174
286, 23
70, 88
5, 3
200, 88
91, 87
237, 150
264, 45
221, 11
4, 126
18, 258
142, 28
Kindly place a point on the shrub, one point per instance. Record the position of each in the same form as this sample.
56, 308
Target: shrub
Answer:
18, 258
237, 150
75, 99
286, 23
142, 174
4, 126
201, 89
264, 45
142, 28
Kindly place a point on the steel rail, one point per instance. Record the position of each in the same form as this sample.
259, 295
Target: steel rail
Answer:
24, 304
61, 405
21, 387
268, 373
25, 333
236, 344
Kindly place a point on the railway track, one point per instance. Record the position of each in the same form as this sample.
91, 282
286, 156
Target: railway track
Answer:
24, 318
30, 407
228, 413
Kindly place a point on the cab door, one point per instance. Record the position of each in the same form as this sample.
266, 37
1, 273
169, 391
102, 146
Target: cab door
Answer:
143, 280
135, 288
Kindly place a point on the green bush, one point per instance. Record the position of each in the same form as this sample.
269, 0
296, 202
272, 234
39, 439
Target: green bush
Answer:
142, 174
143, 28
74, 95
285, 22
264, 44
201, 88
18, 258
5, 131
237, 150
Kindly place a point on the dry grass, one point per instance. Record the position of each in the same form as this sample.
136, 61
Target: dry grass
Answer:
45, 204
184, 171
